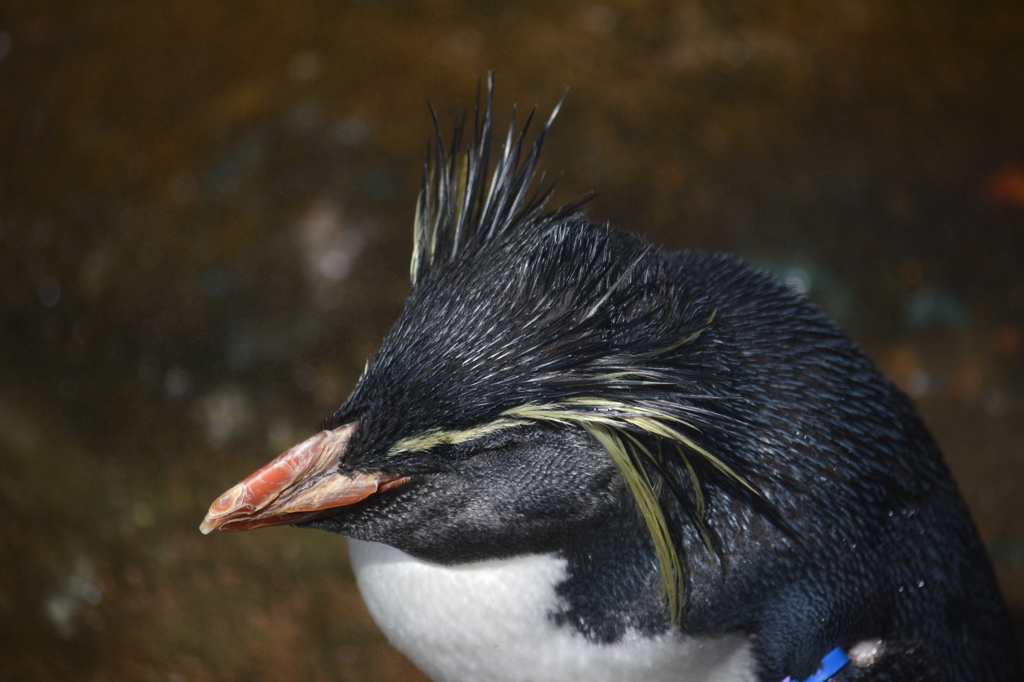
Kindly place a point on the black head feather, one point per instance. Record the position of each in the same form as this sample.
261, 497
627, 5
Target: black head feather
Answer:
463, 201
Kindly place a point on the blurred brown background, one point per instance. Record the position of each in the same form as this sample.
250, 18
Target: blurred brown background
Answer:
205, 221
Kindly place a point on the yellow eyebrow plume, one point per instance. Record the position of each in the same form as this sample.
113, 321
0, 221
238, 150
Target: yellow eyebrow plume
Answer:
613, 424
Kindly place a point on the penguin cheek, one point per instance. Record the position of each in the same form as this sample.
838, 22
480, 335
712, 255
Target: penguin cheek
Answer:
504, 504
522, 497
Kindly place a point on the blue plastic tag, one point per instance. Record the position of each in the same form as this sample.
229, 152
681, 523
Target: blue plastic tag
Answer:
832, 663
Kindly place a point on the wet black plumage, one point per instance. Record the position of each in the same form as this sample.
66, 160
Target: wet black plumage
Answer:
808, 504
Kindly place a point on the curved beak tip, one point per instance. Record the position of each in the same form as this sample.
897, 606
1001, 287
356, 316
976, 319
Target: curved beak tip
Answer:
221, 508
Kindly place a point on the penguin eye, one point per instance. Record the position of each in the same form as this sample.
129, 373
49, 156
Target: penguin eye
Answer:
499, 440
444, 455
483, 436
439, 450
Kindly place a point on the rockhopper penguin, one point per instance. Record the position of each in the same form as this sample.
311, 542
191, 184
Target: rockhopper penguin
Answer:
579, 457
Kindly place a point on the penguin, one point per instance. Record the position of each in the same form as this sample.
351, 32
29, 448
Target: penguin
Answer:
577, 456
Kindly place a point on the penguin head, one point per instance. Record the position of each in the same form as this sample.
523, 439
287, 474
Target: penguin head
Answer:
545, 375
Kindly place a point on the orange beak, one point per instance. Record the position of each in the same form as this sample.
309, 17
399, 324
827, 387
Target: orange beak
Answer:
301, 484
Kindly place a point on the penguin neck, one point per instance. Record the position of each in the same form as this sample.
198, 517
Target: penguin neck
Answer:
612, 584
527, 618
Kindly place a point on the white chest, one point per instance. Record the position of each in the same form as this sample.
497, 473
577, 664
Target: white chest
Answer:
488, 622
